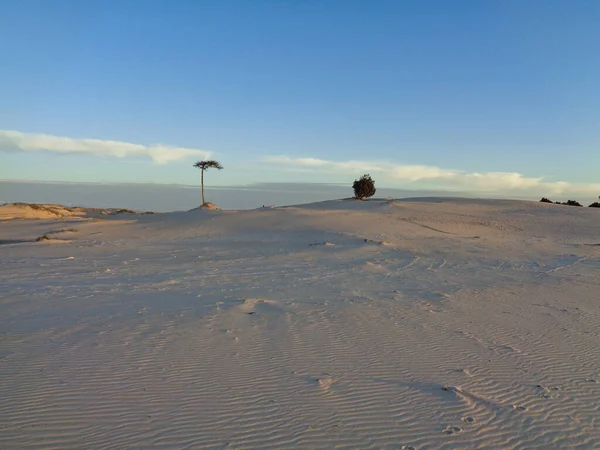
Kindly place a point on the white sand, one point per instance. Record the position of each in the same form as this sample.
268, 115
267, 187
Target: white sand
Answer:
432, 324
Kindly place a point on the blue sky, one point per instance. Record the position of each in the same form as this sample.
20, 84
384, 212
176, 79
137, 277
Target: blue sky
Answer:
476, 95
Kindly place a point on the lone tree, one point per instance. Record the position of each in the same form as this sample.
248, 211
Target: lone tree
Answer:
364, 187
205, 165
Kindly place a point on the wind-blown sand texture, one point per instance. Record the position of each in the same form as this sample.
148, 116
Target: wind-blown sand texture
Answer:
425, 324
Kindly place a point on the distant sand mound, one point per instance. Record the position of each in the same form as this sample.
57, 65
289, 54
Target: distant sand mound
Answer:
36, 211
53, 211
207, 205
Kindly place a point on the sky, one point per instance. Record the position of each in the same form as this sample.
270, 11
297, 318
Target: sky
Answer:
485, 96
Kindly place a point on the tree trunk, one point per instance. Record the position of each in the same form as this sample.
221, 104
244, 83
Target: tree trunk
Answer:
203, 186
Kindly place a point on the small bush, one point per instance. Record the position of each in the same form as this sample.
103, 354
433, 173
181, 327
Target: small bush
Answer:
364, 187
569, 203
572, 203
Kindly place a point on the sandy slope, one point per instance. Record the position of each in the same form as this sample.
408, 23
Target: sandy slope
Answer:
426, 324
12, 211
34, 211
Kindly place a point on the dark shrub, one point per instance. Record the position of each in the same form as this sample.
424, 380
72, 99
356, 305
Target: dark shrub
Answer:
595, 205
364, 187
573, 203
545, 200
570, 203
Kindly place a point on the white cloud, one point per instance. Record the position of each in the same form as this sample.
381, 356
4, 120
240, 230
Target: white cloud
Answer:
31, 142
436, 177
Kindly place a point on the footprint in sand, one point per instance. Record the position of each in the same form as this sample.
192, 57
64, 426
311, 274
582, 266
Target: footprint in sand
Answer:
519, 408
325, 382
547, 390
408, 447
374, 266
252, 306
465, 372
468, 419
452, 430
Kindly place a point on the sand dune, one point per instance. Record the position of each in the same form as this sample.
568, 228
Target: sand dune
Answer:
34, 211
393, 324
11, 211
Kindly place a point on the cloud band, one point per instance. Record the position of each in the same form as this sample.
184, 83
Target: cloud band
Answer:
437, 177
30, 142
